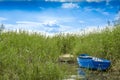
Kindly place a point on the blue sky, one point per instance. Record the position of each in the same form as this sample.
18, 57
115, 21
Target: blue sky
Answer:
56, 16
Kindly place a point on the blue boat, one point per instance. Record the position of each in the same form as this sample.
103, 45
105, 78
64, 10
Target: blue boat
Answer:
95, 63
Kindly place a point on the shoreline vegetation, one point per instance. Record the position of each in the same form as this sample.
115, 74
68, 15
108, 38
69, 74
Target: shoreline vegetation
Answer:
25, 56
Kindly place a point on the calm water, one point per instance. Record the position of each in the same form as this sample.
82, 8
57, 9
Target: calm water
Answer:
85, 74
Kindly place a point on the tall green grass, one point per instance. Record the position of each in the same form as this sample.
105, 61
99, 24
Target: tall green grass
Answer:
25, 56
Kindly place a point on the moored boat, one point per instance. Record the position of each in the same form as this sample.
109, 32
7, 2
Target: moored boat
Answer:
90, 62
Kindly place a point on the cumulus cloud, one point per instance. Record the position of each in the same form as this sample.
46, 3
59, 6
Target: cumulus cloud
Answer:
70, 5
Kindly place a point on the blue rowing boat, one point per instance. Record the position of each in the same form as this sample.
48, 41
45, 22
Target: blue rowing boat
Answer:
95, 63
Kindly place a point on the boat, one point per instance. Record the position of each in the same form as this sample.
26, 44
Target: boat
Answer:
86, 61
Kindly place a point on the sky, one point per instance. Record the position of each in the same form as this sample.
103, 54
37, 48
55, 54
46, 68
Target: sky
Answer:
58, 16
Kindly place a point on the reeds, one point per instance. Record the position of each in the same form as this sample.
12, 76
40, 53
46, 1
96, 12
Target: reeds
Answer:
25, 56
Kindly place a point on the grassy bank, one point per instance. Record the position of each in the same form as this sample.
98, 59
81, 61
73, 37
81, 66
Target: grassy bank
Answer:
25, 56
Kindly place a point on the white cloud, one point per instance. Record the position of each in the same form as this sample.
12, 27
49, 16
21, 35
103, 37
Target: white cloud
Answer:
117, 18
2, 19
102, 11
67, 0
105, 13
50, 22
94, 0
63, 0
70, 5
76, 0
37, 27
93, 9
26, 22
25, 25
46, 27
81, 21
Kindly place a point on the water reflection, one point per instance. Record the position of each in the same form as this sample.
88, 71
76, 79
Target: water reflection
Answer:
91, 74
97, 75
82, 74
77, 73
